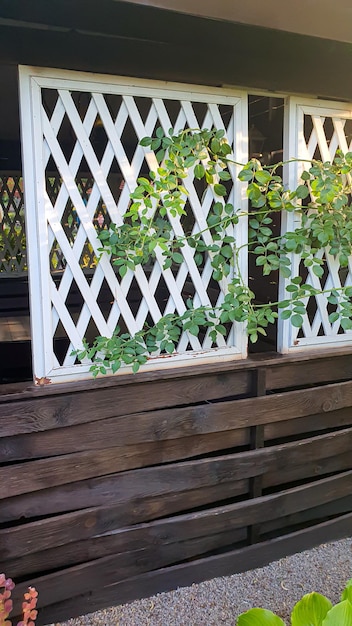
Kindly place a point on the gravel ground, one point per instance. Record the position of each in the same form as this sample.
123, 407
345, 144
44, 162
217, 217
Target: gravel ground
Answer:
219, 601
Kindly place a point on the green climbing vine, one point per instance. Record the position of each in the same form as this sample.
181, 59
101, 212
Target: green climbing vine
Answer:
322, 200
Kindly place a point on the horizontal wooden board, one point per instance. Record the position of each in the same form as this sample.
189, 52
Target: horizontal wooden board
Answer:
102, 546
45, 473
78, 525
115, 478
316, 514
182, 575
48, 412
271, 361
58, 412
182, 528
309, 468
313, 370
115, 432
64, 529
307, 424
119, 566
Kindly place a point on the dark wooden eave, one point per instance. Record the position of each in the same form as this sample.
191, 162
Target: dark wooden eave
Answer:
127, 38
315, 18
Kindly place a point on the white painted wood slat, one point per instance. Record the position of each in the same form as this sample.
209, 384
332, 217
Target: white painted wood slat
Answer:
90, 127
314, 130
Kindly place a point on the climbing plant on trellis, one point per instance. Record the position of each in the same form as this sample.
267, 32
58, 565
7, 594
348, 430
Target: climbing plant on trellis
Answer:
80, 126
315, 130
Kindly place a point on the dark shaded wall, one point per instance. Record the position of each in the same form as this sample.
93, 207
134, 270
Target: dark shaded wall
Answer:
120, 38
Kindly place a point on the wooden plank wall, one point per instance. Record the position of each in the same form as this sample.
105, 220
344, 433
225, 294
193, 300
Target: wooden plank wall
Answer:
155, 481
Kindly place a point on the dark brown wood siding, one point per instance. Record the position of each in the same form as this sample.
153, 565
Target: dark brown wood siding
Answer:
154, 481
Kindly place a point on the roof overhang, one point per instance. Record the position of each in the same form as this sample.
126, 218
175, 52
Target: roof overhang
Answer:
315, 18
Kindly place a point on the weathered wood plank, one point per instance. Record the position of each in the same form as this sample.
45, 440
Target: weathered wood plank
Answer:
115, 432
187, 527
308, 469
182, 422
315, 370
307, 424
104, 545
316, 514
44, 473
141, 504
79, 525
119, 566
280, 376
185, 574
48, 412
36, 536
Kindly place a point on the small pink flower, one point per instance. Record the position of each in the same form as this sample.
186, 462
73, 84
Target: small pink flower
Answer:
9, 584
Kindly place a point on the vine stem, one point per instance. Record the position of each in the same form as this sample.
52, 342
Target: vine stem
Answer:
214, 161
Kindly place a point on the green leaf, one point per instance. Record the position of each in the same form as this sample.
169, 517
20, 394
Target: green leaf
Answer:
215, 145
259, 201
259, 617
220, 190
169, 347
339, 615
318, 270
122, 270
226, 149
262, 176
286, 314
156, 143
285, 271
346, 323
245, 175
333, 317
167, 264
302, 192
297, 320
284, 304
220, 133
159, 132
227, 252
224, 176
115, 366
265, 231
199, 171
347, 592
146, 141
311, 610
177, 257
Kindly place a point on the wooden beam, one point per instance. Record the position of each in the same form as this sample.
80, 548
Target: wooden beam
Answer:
306, 17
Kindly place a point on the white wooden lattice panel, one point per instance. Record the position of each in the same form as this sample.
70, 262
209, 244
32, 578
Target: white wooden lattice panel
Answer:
85, 127
314, 129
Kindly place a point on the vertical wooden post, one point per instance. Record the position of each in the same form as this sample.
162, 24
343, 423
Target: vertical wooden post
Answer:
257, 441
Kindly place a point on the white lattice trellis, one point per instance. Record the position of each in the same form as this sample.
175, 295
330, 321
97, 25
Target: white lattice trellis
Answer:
314, 130
85, 128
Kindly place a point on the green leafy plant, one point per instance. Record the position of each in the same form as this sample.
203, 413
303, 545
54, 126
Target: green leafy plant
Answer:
313, 609
28, 605
322, 202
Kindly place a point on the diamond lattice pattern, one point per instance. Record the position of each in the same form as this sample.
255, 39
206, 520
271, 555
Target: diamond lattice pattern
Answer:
320, 131
92, 159
13, 256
